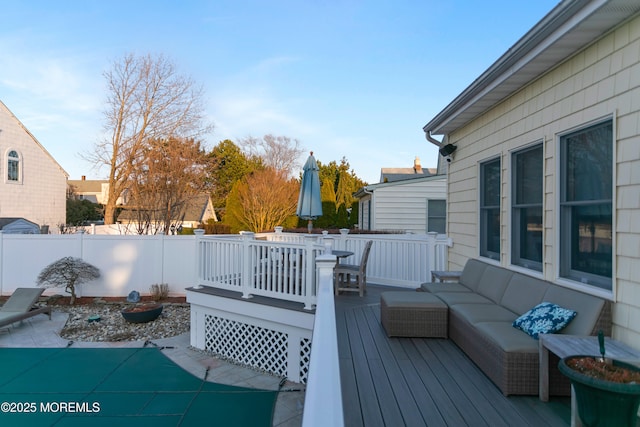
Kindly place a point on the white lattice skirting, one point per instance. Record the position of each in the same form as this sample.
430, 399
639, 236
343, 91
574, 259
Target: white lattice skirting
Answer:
272, 339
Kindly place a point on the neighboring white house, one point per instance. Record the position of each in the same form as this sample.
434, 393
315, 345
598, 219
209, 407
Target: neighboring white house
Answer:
405, 200
33, 184
94, 190
195, 213
402, 174
545, 177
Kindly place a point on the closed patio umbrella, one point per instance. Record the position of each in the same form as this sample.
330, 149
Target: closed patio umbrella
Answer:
309, 203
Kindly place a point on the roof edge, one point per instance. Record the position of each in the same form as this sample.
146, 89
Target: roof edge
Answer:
570, 12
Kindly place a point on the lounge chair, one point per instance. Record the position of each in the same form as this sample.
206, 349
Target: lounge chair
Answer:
352, 277
20, 306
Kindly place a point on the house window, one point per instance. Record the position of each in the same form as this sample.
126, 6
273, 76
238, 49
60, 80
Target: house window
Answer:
526, 210
436, 215
490, 209
13, 166
586, 167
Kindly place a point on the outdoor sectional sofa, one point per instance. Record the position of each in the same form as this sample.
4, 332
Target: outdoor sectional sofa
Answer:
482, 308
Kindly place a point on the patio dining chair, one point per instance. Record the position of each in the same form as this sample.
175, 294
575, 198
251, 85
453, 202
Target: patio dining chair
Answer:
20, 306
352, 277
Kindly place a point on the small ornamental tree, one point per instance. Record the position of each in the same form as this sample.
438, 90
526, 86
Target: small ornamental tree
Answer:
68, 272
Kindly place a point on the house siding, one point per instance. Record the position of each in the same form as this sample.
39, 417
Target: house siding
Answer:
402, 206
603, 80
40, 196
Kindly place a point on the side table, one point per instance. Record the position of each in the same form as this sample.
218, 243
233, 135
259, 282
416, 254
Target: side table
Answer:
445, 276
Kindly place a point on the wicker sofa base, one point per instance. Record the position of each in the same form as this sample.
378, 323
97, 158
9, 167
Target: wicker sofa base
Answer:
413, 314
515, 373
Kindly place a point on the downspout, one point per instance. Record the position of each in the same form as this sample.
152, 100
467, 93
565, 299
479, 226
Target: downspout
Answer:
440, 169
427, 134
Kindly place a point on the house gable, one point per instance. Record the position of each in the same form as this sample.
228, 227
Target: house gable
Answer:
33, 183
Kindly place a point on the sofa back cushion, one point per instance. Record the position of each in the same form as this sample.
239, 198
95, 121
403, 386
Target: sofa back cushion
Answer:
472, 272
523, 293
493, 282
587, 306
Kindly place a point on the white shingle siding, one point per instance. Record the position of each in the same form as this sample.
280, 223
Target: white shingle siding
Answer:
601, 81
402, 205
40, 196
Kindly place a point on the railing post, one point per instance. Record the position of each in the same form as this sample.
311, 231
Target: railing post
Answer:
310, 272
431, 250
247, 279
443, 257
199, 257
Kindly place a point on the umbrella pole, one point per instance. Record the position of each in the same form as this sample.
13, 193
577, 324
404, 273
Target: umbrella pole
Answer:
310, 226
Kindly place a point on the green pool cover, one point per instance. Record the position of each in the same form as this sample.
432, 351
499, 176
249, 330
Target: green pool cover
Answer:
118, 387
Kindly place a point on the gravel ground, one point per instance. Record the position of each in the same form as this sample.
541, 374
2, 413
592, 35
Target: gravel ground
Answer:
174, 320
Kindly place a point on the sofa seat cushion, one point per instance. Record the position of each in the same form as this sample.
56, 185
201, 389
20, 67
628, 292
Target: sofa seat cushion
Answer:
452, 298
508, 338
435, 287
475, 313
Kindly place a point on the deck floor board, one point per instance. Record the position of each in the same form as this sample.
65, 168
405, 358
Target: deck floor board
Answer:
415, 381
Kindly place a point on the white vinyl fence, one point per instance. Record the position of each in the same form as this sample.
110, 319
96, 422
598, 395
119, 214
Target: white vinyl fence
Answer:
126, 263
281, 265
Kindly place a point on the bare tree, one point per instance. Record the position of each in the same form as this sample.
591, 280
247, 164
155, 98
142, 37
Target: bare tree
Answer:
262, 200
280, 153
68, 272
146, 100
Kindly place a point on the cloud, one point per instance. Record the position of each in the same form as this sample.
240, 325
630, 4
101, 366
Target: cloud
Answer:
251, 104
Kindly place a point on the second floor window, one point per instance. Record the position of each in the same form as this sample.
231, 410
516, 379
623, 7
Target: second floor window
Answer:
13, 166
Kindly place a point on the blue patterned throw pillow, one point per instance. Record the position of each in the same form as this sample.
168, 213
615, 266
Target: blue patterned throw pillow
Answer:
544, 318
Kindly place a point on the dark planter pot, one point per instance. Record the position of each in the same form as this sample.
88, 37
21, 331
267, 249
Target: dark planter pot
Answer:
142, 313
603, 403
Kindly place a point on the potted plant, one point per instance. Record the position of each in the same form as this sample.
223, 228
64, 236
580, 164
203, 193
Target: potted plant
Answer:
142, 313
139, 312
607, 391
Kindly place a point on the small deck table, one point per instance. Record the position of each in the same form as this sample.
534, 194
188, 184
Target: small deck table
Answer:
569, 345
341, 254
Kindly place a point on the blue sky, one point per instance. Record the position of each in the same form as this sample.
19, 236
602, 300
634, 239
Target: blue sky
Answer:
348, 78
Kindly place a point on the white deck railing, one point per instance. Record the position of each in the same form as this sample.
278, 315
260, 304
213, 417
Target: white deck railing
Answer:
323, 397
259, 267
282, 265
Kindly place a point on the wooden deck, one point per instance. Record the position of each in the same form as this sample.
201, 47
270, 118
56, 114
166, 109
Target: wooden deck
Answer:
418, 382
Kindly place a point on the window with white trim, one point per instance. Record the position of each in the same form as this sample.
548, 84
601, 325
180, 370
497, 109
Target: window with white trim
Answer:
526, 207
586, 208
13, 166
490, 209
437, 215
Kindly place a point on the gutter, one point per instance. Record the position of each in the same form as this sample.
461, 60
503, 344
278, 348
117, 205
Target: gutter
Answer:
556, 29
364, 190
